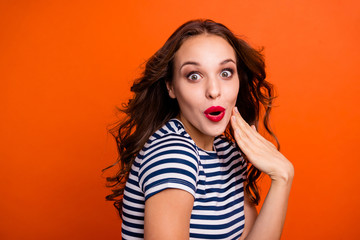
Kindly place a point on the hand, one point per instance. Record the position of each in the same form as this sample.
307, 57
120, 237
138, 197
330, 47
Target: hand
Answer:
259, 151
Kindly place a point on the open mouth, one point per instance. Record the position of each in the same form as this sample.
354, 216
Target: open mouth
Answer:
215, 113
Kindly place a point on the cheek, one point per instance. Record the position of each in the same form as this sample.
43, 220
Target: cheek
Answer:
185, 95
188, 99
232, 92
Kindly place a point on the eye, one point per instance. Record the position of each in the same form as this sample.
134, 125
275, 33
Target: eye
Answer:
226, 73
193, 76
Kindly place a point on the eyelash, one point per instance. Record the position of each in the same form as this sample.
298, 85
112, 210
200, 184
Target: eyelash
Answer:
230, 70
191, 73
225, 69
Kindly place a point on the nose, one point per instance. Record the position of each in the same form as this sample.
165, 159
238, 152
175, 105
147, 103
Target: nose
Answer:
213, 89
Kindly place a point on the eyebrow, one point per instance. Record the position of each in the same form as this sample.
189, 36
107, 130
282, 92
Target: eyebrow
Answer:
198, 64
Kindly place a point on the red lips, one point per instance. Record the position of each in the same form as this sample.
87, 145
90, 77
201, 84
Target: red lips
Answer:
215, 113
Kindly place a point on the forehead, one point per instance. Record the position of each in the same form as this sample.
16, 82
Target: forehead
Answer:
204, 48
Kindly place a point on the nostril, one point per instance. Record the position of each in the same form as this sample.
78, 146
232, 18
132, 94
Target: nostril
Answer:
214, 95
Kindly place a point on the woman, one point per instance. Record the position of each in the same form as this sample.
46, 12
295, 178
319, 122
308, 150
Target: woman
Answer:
188, 136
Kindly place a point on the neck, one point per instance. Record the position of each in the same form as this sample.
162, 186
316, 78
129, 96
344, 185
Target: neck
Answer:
208, 146
203, 141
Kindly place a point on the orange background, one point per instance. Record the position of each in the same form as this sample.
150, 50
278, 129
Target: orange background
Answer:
65, 65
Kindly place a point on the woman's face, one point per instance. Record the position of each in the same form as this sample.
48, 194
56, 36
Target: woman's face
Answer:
206, 85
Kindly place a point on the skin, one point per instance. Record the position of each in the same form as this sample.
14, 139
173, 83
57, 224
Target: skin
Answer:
264, 155
208, 58
205, 75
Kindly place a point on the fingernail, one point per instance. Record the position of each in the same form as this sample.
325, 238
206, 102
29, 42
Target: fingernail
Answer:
233, 118
236, 110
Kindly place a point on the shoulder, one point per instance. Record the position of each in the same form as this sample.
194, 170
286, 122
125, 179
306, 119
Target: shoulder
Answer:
170, 138
168, 159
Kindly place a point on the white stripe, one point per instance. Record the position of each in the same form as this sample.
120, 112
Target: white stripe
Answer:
171, 185
217, 231
161, 145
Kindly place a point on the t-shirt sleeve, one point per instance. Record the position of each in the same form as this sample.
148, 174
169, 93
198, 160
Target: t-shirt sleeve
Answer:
169, 162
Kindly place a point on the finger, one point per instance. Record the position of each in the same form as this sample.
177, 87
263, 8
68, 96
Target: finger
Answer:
246, 141
238, 130
257, 134
249, 148
239, 123
239, 118
250, 145
241, 137
243, 125
250, 131
241, 140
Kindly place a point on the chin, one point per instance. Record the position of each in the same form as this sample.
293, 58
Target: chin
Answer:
217, 130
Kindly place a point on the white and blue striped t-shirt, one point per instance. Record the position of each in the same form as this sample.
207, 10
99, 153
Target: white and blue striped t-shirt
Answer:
170, 159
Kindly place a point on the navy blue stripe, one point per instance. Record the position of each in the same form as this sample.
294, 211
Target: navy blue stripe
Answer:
171, 180
128, 188
133, 225
141, 210
169, 127
133, 200
217, 226
170, 170
133, 172
133, 182
163, 131
223, 148
221, 199
180, 141
141, 218
222, 164
155, 135
136, 164
132, 234
217, 217
221, 181
227, 155
163, 170
218, 236
173, 151
225, 167
226, 161
217, 208
221, 173
169, 159
215, 190
208, 155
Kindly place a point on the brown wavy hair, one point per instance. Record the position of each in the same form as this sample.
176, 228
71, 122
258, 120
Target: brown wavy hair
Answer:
151, 107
